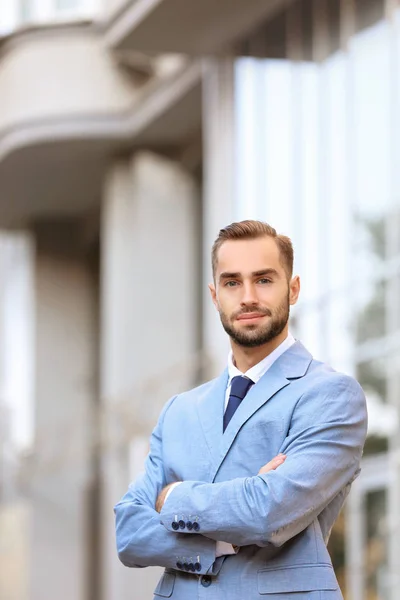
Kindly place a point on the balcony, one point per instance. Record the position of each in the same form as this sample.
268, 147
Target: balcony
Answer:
67, 106
188, 26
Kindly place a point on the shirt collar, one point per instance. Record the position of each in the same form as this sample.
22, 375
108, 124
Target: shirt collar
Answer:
256, 372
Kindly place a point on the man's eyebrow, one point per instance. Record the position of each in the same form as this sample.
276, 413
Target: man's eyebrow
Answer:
228, 275
265, 272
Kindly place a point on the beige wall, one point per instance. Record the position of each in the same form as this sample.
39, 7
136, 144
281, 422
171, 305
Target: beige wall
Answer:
65, 395
59, 73
150, 327
219, 189
14, 565
110, 7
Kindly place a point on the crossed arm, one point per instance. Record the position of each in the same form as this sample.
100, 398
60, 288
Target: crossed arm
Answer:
269, 466
141, 539
323, 449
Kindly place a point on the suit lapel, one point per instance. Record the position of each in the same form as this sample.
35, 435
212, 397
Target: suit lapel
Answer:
293, 364
210, 408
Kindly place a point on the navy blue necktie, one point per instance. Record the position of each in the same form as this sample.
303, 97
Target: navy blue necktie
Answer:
239, 388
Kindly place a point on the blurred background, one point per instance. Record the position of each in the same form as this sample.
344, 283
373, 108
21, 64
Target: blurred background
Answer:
130, 132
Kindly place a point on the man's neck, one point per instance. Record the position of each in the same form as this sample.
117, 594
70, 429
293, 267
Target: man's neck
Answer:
246, 358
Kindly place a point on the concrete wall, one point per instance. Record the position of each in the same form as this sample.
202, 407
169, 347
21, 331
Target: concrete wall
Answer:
150, 327
65, 396
14, 564
219, 190
111, 7
59, 73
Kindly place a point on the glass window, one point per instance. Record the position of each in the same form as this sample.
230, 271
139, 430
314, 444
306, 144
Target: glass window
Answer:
277, 160
17, 13
309, 324
338, 330
370, 297
25, 10
61, 5
336, 188
322, 156
376, 559
309, 164
8, 16
373, 117
251, 200
376, 377
336, 548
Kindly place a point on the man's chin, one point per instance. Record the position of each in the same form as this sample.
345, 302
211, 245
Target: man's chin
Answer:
249, 342
250, 336
253, 328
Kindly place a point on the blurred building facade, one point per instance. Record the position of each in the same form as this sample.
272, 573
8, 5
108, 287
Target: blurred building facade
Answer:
130, 132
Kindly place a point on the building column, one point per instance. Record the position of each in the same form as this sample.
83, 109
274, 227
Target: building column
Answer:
219, 196
65, 367
150, 328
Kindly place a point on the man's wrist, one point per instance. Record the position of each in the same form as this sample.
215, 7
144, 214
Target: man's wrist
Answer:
171, 487
161, 498
163, 495
225, 549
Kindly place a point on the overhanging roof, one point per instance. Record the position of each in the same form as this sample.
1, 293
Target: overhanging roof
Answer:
56, 166
200, 27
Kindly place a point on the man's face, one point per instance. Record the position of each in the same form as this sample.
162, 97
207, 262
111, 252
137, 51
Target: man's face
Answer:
251, 292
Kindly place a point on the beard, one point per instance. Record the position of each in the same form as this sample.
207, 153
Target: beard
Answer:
253, 336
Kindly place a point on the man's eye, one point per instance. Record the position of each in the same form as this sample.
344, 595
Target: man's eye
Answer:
231, 284
265, 280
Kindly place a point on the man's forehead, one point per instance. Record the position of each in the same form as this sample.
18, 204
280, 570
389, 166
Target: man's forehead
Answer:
249, 255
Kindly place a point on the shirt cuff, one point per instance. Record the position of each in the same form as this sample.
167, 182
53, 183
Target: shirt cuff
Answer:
223, 548
170, 490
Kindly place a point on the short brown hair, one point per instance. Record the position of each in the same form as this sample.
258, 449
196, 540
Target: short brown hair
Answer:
250, 230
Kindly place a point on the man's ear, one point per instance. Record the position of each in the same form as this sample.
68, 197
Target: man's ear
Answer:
213, 293
294, 290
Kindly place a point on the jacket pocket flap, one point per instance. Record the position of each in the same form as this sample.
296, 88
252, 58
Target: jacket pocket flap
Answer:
165, 586
299, 578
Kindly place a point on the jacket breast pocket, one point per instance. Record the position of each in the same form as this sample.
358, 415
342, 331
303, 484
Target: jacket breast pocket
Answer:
165, 586
300, 578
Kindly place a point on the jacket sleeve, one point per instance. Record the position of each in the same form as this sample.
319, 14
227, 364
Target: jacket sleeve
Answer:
323, 447
141, 539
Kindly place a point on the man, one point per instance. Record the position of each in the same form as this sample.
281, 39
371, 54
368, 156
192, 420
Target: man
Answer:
222, 526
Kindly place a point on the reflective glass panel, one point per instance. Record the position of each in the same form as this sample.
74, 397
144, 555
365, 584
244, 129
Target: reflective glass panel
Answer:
376, 560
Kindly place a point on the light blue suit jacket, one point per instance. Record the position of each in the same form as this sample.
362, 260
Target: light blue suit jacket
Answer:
281, 520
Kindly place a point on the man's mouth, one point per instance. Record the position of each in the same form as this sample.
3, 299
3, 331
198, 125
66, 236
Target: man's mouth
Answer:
250, 316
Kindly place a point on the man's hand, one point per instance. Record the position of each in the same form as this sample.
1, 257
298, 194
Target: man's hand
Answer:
272, 464
161, 497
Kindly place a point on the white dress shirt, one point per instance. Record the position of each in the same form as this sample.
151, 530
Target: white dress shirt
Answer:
255, 374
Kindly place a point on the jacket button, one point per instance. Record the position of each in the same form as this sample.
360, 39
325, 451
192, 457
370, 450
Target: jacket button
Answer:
197, 566
191, 567
182, 524
179, 564
206, 581
186, 566
196, 526
175, 525
189, 525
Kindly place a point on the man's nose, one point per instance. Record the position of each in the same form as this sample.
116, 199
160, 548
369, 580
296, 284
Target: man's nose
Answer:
249, 294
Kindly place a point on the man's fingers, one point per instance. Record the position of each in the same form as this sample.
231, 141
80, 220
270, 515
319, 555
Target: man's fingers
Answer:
273, 464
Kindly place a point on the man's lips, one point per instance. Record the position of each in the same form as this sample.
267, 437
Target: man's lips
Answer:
250, 316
